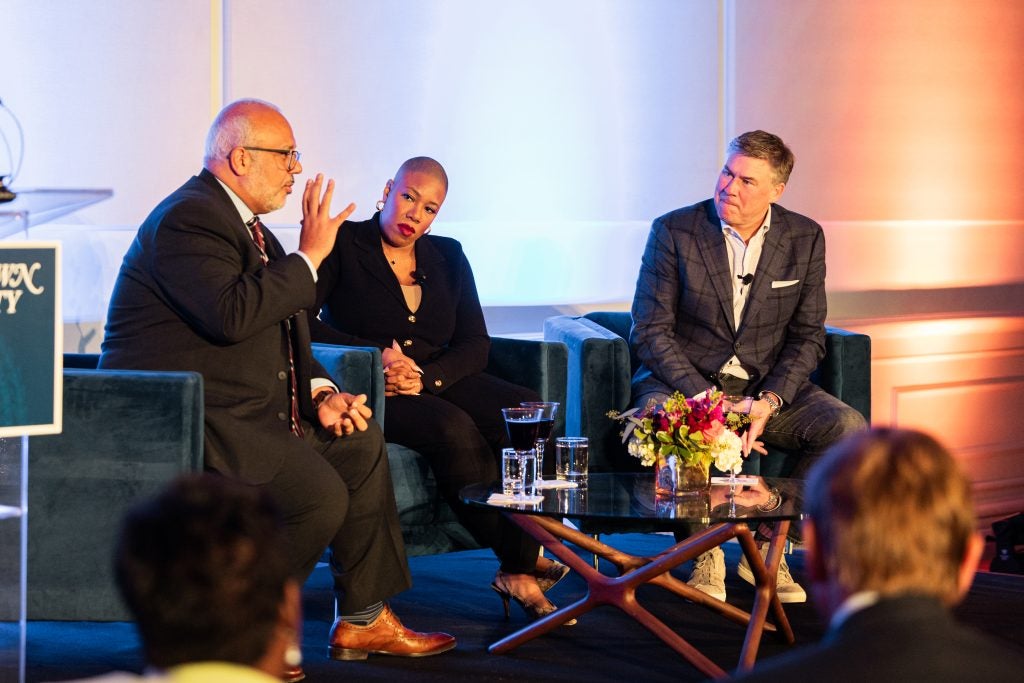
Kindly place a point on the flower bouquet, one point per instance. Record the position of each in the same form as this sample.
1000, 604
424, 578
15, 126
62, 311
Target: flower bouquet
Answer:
682, 438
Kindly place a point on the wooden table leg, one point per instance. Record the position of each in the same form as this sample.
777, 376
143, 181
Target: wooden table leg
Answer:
765, 575
620, 591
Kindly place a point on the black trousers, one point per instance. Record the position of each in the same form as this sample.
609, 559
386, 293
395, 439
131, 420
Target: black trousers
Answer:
336, 493
461, 433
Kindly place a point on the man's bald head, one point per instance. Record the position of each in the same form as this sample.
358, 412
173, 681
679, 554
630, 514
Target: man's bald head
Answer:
236, 125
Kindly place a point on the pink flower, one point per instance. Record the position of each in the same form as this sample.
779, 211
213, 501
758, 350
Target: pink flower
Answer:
681, 419
705, 416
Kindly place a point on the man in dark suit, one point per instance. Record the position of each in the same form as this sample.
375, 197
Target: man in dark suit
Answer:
731, 295
206, 287
891, 544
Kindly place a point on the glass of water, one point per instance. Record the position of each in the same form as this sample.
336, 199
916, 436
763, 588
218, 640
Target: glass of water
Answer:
518, 472
571, 459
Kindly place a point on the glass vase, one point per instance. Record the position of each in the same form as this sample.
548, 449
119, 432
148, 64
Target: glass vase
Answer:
673, 477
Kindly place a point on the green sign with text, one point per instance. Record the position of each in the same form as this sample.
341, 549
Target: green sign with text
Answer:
31, 339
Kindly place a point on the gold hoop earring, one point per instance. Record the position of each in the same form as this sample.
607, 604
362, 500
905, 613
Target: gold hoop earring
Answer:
380, 204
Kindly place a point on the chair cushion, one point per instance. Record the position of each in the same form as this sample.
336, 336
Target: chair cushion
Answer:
428, 523
126, 434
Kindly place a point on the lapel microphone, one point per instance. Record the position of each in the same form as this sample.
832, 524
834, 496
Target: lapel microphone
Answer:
419, 277
746, 279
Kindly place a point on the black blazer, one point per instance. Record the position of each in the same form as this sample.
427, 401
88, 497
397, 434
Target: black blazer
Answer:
683, 315
905, 640
361, 302
193, 294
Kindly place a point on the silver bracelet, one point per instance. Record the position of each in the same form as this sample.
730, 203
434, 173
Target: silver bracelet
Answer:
773, 503
774, 402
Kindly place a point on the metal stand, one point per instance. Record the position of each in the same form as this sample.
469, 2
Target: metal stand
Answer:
13, 546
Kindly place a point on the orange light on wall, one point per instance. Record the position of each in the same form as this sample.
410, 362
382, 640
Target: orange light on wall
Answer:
923, 254
895, 110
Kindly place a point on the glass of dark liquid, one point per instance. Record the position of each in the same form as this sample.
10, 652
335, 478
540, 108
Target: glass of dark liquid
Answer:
549, 409
522, 425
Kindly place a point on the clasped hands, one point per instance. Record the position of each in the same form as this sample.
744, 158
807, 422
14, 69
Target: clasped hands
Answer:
342, 413
402, 376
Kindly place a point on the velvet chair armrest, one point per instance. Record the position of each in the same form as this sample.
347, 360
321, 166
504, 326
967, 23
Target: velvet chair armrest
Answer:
357, 370
126, 433
845, 372
598, 381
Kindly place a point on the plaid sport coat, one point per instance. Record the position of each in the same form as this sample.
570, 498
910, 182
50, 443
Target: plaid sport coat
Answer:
683, 329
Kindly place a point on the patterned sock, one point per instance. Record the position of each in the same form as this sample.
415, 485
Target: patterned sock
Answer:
364, 616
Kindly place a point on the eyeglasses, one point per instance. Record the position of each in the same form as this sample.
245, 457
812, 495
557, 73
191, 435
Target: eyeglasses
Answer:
293, 155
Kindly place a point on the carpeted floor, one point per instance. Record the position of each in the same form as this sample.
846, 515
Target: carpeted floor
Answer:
451, 593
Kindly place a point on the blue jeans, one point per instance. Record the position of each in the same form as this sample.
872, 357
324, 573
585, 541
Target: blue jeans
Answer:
804, 430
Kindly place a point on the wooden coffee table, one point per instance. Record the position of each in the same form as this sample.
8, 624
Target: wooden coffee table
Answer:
620, 497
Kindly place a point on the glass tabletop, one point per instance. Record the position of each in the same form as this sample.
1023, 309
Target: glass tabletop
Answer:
36, 206
629, 496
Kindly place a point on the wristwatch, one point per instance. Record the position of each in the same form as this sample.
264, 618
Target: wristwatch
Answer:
773, 400
321, 397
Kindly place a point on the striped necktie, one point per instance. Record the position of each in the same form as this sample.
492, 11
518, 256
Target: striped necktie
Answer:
256, 226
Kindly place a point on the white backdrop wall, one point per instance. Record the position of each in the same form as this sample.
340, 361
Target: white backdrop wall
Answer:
551, 112
558, 122
576, 110
110, 94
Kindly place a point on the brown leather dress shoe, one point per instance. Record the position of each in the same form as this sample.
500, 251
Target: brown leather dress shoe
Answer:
293, 674
385, 636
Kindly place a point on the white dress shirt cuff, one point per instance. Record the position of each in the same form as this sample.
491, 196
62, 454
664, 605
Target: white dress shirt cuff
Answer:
320, 383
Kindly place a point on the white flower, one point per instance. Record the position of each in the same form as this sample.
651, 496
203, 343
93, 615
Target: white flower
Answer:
728, 452
644, 451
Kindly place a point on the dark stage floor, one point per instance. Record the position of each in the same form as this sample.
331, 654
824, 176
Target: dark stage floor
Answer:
451, 593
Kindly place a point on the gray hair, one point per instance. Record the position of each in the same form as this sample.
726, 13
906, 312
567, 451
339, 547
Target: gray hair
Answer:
232, 127
757, 144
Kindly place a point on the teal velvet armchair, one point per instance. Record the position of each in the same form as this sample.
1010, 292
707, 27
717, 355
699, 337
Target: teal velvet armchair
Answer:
601, 367
127, 433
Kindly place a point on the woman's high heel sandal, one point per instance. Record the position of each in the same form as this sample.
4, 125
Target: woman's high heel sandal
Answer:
534, 611
547, 579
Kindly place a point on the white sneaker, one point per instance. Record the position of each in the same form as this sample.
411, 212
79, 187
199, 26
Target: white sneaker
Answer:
787, 589
708, 575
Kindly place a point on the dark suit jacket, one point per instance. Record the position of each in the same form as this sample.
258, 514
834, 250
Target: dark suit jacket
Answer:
683, 316
193, 294
906, 640
362, 303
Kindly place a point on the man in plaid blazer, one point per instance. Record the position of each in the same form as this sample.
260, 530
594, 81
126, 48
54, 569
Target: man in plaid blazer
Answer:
731, 294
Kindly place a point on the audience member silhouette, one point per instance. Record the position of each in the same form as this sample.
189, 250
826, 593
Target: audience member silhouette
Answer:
201, 567
891, 545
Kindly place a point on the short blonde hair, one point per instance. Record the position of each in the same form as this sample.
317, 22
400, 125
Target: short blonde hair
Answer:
892, 512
